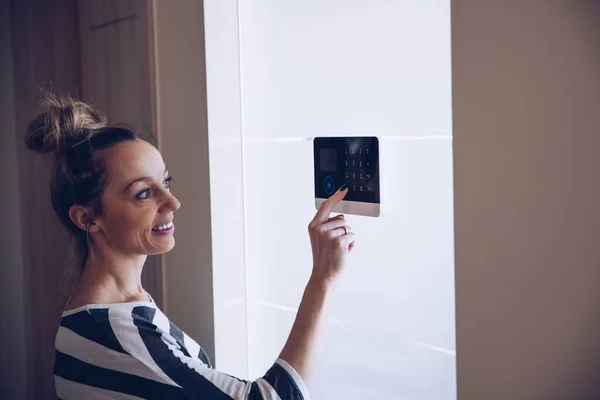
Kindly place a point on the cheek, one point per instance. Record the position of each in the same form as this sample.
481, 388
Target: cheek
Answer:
129, 222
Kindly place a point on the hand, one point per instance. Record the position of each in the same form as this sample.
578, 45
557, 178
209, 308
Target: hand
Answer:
331, 240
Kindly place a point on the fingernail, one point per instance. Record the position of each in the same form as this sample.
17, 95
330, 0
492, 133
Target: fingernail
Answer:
343, 188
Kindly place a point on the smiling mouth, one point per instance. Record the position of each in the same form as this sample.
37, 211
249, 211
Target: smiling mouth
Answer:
163, 227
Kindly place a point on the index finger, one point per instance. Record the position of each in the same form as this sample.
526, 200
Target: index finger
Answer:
328, 205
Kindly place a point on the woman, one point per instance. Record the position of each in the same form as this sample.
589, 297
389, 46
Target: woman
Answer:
112, 192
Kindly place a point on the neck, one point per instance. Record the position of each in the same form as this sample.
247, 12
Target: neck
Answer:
112, 278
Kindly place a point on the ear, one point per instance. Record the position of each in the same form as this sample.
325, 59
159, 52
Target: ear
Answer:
84, 218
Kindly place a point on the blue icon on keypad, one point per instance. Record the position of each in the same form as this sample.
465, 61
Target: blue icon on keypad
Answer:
329, 185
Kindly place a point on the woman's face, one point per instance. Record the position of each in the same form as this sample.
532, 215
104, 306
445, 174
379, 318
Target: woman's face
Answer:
137, 204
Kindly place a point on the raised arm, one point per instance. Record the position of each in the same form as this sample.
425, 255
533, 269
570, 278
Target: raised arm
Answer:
331, 242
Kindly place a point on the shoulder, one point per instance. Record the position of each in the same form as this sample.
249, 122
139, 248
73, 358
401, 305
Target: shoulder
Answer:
107, 320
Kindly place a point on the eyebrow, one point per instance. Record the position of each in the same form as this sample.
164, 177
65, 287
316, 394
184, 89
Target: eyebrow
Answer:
142, 179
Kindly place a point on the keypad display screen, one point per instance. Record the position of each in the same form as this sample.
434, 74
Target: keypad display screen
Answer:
347, 160
329, 160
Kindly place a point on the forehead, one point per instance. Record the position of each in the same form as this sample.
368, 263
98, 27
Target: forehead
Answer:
131, 160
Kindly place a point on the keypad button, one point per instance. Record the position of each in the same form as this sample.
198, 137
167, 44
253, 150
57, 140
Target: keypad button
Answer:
358, 173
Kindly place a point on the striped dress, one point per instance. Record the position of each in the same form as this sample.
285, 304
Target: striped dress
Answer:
133, 351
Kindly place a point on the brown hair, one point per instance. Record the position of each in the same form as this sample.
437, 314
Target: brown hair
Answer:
75, 132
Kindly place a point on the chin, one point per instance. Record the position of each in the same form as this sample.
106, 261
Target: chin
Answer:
157, 250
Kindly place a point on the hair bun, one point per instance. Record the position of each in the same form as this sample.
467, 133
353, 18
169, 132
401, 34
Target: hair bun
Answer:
62, 123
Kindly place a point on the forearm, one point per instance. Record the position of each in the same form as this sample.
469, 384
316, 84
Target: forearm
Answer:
302, 347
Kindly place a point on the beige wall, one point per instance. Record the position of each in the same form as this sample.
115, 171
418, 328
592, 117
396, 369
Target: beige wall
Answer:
182, 129
526, 98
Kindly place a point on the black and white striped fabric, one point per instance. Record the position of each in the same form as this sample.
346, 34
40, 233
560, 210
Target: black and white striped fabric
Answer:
133, 351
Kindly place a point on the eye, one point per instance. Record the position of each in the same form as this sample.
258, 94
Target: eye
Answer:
167, 183
144, 194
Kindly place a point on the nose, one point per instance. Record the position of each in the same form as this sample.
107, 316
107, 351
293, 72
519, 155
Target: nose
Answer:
171, 203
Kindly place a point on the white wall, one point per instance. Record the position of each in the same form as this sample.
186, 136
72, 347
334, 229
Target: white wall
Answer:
227, 186
13, 348
279, 74
526, 90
